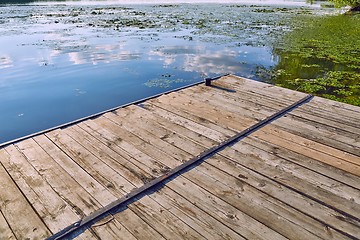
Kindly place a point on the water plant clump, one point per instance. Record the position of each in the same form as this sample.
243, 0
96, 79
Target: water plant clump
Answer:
322, 58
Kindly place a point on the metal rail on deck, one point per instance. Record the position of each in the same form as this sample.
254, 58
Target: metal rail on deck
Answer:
80, 226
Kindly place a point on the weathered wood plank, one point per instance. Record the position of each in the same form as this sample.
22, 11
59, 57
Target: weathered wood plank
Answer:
144, 141
99, 192
272, 90
220, 117
309, 144
349, 142
306, 162
230, 216
163, 221
271, 212
326, 108
59, 180
200, 126
15, 209
163, 135
111, 228
292, 176
118, 163
256, 106
276, 131
155, 165
111, 139
340, 163
191, 214
103, 173
324, 136
136, 226
5, 230
66, 186
294, 199
53, 210
138, 111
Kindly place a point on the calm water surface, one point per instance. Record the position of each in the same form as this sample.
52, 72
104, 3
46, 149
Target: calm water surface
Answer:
63, 61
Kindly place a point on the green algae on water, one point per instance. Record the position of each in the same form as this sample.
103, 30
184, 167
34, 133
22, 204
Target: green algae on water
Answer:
321, 56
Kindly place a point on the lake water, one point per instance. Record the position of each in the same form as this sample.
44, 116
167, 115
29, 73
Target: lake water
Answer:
64, 61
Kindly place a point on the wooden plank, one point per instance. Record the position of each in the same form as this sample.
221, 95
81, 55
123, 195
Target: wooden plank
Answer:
127, 169
59, 180
103, 173
189, 213
347, 166
346, 108
232, 102
328, 134
102, 195
159, 131
238, 221
242, 83
5, 230
189, 121
278, 157
99, 192
144, 141
89, 234
220, 117
264, 88
319, 105
323, 136
16, 211
319, 212
309, 144
307, 129
131, 150
111, 228
271, 212
138, 111
306, 162
274, 130
150, 138
291, 176
325, 130
110, 139
138, 227
52, 209
69, 190
163, 221
328, 111
161, 134
157, 167
256, 106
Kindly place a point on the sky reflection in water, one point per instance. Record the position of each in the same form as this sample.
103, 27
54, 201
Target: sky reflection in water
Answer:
54, 71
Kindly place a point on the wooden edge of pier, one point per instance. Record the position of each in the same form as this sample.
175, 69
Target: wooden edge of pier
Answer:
228, 159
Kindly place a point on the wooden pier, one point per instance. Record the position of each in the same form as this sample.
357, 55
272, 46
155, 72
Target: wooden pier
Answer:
296, 177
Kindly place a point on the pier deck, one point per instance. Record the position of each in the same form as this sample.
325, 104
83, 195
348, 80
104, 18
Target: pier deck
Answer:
297, 177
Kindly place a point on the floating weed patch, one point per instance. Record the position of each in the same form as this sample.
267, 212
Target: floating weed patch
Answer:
164, 82
322, 58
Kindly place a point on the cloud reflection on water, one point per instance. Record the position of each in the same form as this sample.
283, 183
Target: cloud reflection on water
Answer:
6, 62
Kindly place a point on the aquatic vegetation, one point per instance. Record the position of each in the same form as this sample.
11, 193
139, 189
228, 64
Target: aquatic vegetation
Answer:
164, 82
322, 58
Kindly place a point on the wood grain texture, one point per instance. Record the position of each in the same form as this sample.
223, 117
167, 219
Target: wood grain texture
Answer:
298, 176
